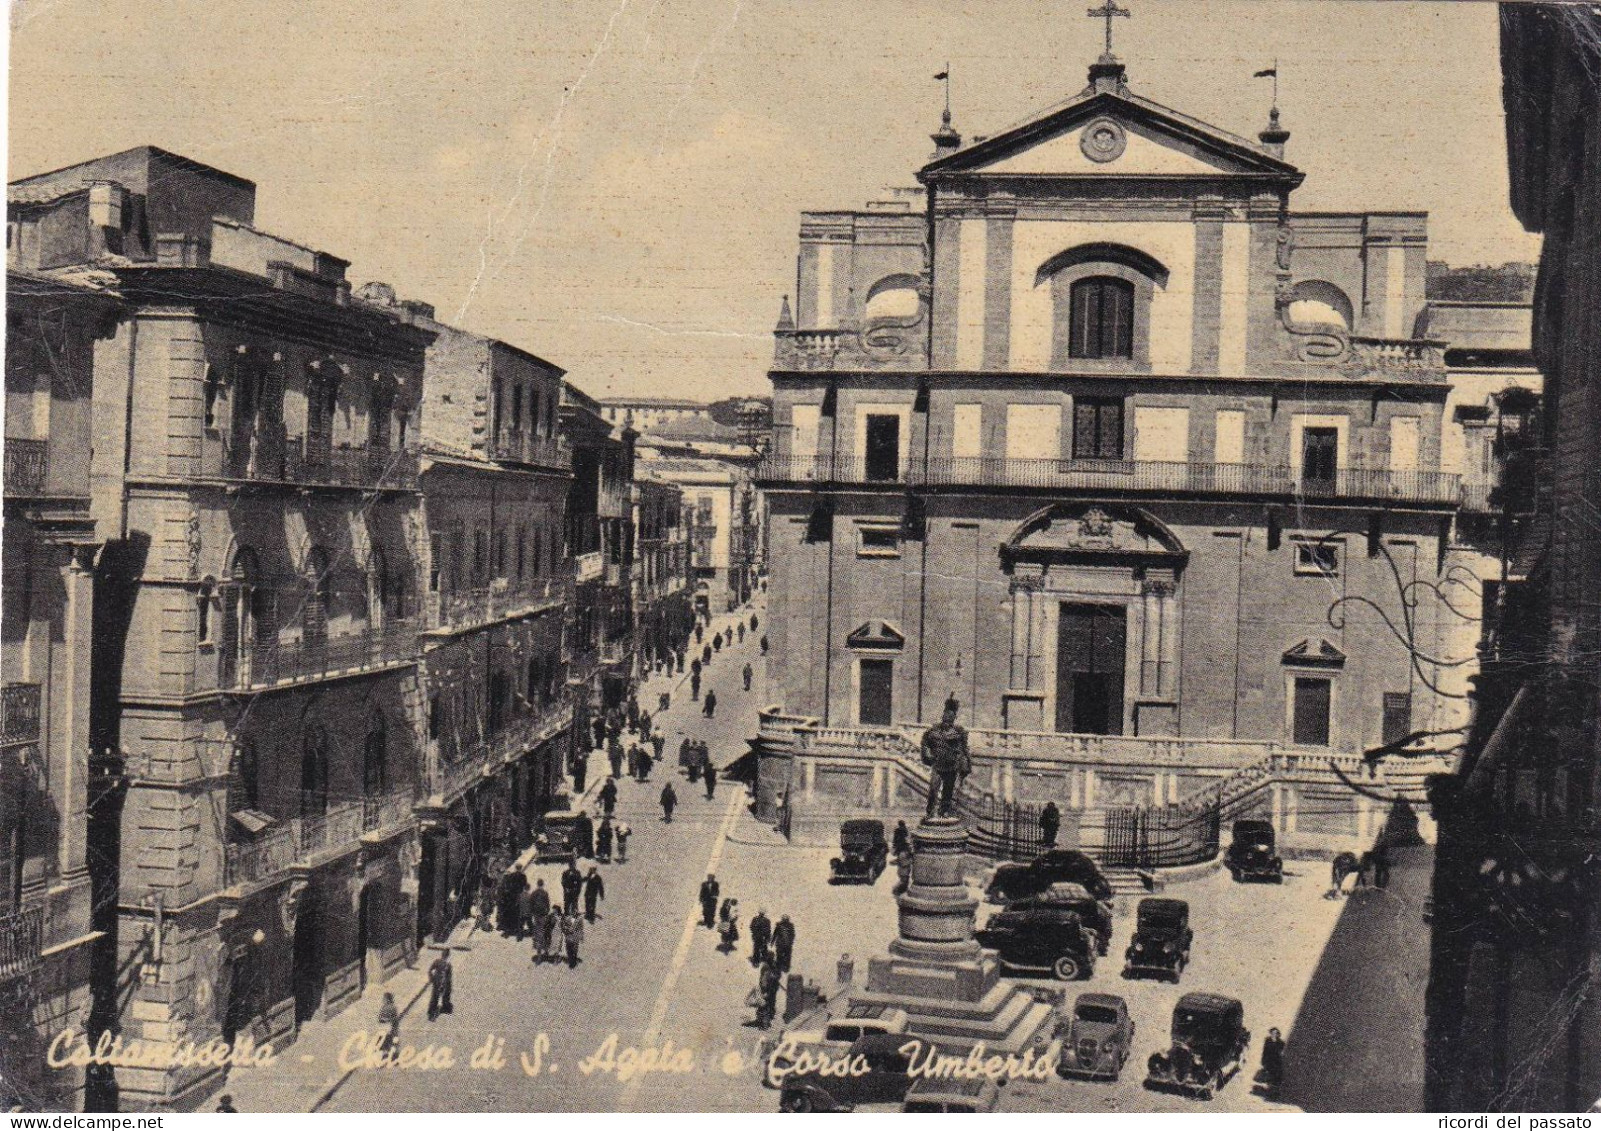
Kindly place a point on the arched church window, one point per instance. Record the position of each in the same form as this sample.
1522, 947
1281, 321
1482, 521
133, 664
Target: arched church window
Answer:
1102, 318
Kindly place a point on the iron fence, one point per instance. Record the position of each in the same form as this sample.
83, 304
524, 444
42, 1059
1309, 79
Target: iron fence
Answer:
19, 713
27, 463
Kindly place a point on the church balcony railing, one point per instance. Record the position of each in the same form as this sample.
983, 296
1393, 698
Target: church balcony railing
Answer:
1398, 353
1120, 475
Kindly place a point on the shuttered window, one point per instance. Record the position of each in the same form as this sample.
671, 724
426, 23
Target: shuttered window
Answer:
1102, 318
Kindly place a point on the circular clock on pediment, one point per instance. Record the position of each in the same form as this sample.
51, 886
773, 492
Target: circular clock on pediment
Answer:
1103, 140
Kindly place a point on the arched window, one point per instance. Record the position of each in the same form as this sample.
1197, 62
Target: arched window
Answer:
314, 772
375, 759
243, 778
1102, 318
319, 595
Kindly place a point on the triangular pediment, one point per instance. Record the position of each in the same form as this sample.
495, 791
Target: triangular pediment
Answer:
1309, 655
876, 634
1112, 135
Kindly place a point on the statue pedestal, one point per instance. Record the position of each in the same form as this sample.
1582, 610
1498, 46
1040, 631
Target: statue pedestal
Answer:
948, 985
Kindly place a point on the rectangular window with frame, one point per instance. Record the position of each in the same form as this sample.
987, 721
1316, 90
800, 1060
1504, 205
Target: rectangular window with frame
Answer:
1397, 716
879, 542
1098, 428
1311, 719
1317, 559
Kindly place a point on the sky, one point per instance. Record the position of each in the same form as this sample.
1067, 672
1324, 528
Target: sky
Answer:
616, 185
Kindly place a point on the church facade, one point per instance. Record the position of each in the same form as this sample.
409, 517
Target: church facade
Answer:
1097, 433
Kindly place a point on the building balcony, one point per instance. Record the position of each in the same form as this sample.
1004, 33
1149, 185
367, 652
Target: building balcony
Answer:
26, 468
280, 662
589, 567
305, 842
265, 457
470, 608
19, 713
21, 942
449, 778
541, 451
1137, 476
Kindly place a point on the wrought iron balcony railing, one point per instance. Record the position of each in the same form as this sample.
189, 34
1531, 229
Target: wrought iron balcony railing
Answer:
466, 608
543, 451
267, 663
27, 466
305, 841
19, 713
449, 778
21, 942
1119, 475
268, 456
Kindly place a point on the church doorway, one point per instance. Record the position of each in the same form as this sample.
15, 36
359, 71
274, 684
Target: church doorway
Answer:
1090, 655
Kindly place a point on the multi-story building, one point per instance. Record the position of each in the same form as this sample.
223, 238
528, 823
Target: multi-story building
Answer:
600, 544
1513, 1016
1099, 435
723, 535
47, 932
646, 414
495, 479
663, 603
254, 480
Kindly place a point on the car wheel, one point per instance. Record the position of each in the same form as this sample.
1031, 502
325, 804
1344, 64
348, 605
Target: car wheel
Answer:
1066, 968
799, 1102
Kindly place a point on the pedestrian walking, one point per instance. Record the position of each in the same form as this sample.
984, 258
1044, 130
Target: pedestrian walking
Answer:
686, 759
746, 673
645, 723
1381, 865
645, 764
764, 643
572, 936
608, 793
903, 871
552, 951
767, 984
700, 633
710, 774
705, 655
538, 904
594, 892
681, 654
524, 903
513, 885
717, 643
584, 835
614, 754
572, 882
1272, 1074
694, 686
623, 832
658, 742
695, 666
389, 1020
754, 622
580, 772
540, 929
709, 891
728, 926
902, 840
710, 709
603, 840
739, 630
599, 727
439, 979
783, 944
224, 1105
1050, 822
669, 802
761, 934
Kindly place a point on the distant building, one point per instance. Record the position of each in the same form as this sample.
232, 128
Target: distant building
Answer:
645, 414
663, 591
724, 525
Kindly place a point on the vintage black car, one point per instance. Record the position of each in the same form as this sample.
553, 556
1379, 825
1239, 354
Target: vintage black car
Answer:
554, 840
1095, 914
1162, 938
1059, 866
1252, 853
1097, 1038
863, 852
1209, 1043
875, 1071
1041, 938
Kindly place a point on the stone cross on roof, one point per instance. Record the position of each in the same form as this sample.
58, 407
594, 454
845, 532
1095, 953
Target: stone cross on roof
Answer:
1106, 12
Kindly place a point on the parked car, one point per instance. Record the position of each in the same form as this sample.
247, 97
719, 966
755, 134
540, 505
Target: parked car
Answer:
1059, 866
1053, 939
1209, 1043
1252, 853
1095, 914
832, 1035
885, 1079
932, 1094
1096, 1038
1162, 938
554, 840
863, 852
